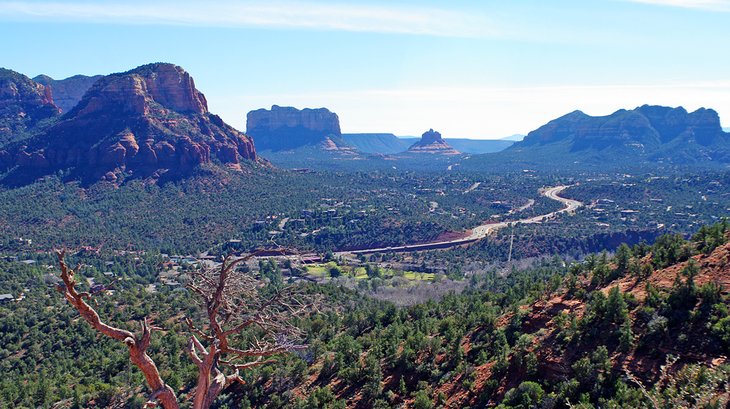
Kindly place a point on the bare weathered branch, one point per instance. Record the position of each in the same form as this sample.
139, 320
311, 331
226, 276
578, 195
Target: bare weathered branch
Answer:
137, 346
233, 303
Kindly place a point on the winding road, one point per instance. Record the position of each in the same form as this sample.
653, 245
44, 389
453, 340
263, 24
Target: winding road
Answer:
482, 231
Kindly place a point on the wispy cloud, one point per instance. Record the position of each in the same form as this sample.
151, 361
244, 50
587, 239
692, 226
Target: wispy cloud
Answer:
268, 14
710, 5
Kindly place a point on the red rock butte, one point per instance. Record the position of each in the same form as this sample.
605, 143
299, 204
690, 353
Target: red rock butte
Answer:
432, 142
141, 122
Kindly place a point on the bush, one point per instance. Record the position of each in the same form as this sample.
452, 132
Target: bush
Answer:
528, 395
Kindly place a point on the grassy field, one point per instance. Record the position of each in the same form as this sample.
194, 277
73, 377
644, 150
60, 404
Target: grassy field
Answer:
359, 273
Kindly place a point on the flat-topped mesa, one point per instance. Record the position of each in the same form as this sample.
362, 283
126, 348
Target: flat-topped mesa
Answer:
145, 122
432, 142
286, 128
23, 103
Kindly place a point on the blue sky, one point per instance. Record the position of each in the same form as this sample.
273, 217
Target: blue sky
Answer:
469, 68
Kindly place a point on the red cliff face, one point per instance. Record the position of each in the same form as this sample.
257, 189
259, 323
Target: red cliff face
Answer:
142, 122
285, 128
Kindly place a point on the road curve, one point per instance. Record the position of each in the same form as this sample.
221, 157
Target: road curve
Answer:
481, 231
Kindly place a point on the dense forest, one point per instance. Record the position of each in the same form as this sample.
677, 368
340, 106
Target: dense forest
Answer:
647, 326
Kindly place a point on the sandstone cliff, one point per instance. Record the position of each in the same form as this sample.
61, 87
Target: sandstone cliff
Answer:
286, 128
145, 122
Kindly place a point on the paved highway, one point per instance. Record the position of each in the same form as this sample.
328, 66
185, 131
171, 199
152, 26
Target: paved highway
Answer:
482, 231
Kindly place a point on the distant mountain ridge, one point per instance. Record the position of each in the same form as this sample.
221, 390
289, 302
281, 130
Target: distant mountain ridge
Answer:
478, 146
149, 121
377, 143
67, 93
648, 133
389, 144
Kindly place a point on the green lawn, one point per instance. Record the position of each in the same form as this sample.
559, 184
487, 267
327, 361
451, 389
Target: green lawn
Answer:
322, 271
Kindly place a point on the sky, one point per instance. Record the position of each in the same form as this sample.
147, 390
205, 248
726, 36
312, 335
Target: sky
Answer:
481, 69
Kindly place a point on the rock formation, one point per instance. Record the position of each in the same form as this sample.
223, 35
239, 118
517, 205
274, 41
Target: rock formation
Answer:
287, 128
23, 104
67, 92
144, 122
432, 142
656, 131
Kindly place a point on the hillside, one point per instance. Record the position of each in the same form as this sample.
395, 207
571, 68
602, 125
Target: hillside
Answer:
611, 331
648, 327
147, 122
24, 105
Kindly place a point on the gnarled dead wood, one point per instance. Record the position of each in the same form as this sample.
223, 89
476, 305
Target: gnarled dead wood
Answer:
233, 302
137, 345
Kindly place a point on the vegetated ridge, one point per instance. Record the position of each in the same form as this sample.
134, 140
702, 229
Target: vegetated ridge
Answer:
648, 133
24, 105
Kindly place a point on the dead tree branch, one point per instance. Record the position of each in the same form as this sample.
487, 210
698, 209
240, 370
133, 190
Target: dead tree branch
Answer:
233, 302
137, 345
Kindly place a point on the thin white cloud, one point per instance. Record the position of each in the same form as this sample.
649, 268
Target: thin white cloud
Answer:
479, 112
710, 5
269, 14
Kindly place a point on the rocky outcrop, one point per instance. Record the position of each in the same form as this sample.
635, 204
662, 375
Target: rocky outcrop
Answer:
23, 104
287, 128
432, 142
67, 93
144, 122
